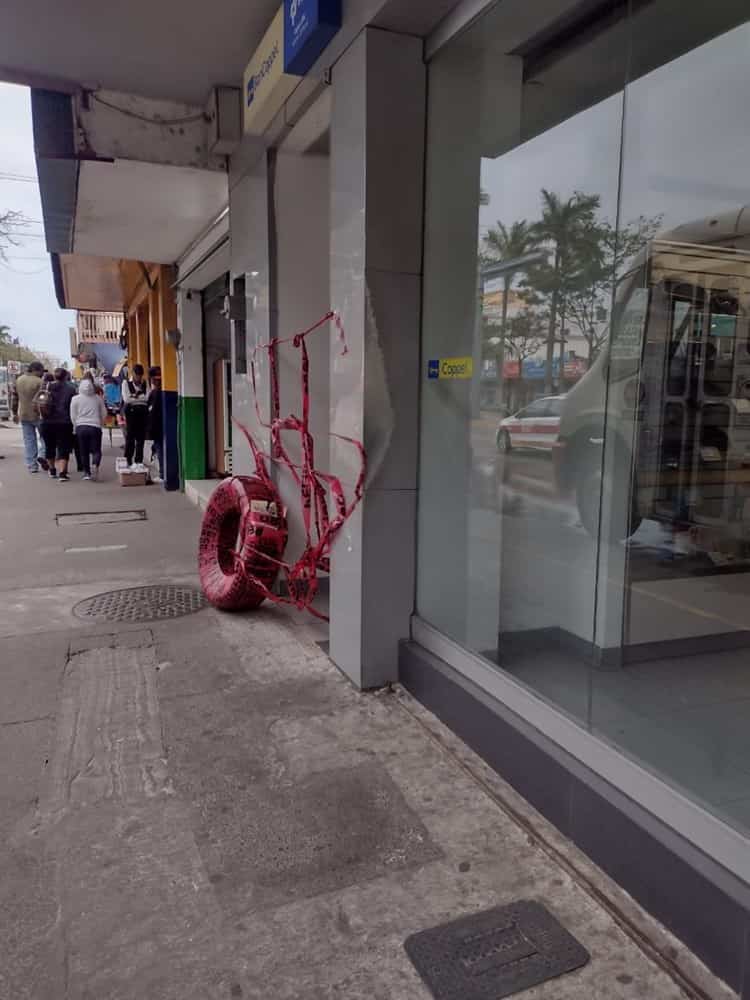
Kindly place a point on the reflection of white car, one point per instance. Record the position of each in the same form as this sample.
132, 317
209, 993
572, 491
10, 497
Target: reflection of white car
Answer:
535, 427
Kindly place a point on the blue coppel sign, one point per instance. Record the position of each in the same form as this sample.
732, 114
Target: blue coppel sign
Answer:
309, 25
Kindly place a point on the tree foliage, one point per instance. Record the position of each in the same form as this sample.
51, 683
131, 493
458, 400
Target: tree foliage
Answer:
508, 245
11, 349
12, 225
602, 265
571, 283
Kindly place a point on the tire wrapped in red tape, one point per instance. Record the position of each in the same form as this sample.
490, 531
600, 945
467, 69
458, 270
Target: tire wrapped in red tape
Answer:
243, 537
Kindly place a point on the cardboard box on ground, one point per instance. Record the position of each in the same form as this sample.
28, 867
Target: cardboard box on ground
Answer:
131, 475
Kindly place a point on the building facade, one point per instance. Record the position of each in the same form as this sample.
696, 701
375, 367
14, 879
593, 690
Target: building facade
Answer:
97, 342
579, 617
578, 612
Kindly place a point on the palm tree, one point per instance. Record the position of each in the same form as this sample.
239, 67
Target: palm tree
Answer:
563, 227
509, 245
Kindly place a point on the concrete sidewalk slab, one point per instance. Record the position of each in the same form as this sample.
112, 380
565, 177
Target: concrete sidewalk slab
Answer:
31, 667
33, 545
200, 491
204, 808
32, 610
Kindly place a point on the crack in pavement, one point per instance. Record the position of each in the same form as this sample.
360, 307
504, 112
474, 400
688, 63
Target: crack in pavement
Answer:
23, 722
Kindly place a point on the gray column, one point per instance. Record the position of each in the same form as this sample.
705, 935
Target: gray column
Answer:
452, 324
302, 293
192, 411
248, 211
190, 358
377, 149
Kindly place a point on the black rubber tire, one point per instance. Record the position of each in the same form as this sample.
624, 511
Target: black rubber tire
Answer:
502, 440
589, 494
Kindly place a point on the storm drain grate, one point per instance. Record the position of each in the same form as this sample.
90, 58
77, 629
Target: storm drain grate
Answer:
100, 517
142, 604
493, 954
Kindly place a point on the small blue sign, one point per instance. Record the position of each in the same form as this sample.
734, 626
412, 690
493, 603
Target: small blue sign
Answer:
537, 367
309, 25
433, 368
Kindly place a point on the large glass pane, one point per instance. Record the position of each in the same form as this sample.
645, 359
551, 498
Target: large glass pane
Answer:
673, 611
584, 513
521, 253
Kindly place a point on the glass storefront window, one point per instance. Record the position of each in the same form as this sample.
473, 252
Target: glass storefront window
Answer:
585, 495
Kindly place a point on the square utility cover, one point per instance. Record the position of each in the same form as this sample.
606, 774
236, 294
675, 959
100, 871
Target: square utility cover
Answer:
495, 953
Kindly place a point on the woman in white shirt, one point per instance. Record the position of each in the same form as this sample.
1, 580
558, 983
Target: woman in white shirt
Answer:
88, 413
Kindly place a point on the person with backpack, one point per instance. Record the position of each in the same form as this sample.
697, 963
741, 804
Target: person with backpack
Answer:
88, 413
53, 400
26, 412
135, 408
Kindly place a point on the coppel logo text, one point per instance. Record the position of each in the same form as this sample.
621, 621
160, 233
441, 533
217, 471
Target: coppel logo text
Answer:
256, 79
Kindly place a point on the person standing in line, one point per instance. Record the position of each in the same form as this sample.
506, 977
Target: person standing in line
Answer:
26, 412
112, 400
88, 413
135, 408
155, 424
57, 428
76, 450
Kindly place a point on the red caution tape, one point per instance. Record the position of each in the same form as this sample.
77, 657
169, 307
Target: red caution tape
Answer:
241, 555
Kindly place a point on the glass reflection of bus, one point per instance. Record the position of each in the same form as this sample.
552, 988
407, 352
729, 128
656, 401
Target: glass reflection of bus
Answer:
5, 390
675, 384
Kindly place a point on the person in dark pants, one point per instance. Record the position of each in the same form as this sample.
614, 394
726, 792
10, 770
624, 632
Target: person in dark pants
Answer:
57, 428
26, 412
88, 413
76, 450
135, 409
155, 423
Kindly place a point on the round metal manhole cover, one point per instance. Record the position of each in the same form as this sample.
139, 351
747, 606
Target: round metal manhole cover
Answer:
142, 604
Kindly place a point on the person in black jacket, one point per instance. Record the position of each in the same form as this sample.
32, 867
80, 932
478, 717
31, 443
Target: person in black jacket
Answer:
57, 427
155, 421
135, 407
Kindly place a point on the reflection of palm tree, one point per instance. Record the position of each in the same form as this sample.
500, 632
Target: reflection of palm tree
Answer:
508, 244
563, 225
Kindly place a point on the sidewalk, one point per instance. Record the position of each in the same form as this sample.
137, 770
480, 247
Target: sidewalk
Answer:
204, 808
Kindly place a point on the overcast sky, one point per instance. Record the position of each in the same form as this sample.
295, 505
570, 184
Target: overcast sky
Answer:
686, 152
27, 295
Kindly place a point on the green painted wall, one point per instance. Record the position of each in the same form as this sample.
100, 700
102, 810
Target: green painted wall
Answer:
192, 434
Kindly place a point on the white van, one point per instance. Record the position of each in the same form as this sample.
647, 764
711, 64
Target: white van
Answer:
674, 381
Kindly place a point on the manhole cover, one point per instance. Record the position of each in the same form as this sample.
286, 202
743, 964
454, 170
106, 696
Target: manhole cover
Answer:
141, 604
490, 955
100, 517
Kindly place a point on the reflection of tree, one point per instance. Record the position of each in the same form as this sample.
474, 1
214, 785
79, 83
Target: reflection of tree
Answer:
571, 284
602, 261
526, 333
508, 245
524, 337
565, 228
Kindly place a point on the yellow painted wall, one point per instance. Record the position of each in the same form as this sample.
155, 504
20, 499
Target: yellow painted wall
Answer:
151, 311
167, 321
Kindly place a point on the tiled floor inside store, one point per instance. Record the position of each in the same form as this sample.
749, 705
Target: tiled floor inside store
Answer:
685, 718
